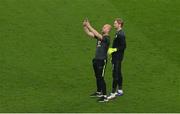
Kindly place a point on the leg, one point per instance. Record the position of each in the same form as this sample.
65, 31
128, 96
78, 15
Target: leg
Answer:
117, 76
95, 67
114, 83
101, 72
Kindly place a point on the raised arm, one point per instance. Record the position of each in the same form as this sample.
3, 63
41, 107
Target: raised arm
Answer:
87, 30
97, 34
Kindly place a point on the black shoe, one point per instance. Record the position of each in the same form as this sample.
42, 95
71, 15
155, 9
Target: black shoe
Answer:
96, 94
103, 99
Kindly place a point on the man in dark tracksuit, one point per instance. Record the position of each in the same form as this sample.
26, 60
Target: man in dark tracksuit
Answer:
100, 60
117, 51
99, 65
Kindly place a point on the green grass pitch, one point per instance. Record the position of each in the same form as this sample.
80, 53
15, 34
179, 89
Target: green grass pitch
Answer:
45, 56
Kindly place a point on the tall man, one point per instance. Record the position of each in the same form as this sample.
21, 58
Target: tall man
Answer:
100, 60
117, 51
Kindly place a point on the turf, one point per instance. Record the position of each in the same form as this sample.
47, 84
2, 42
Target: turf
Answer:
45, 56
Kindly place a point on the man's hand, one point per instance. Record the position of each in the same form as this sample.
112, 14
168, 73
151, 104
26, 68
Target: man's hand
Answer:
87, 23
91, 29
86, 29
111, 50
84, 23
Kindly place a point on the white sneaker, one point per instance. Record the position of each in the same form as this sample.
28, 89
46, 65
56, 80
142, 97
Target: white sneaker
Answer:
119, 93
111, 96
103, 99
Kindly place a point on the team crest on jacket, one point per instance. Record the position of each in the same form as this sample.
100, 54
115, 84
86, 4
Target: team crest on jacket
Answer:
99, 44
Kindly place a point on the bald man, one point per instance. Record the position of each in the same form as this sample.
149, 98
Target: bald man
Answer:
100, 59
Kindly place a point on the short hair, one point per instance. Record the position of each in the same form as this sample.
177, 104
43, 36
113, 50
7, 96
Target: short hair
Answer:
120, 21
108, 25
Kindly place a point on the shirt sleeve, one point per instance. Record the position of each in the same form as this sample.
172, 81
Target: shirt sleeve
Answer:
121, 45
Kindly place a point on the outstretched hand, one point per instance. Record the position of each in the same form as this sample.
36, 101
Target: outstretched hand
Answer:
87, 23
84, 23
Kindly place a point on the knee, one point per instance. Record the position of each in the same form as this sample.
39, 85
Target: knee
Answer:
99, 77
116, 76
